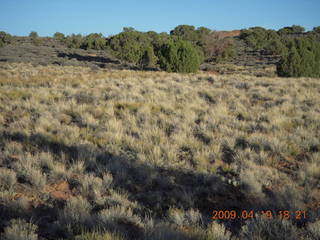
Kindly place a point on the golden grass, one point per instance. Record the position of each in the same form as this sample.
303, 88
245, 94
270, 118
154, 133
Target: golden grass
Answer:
262, 133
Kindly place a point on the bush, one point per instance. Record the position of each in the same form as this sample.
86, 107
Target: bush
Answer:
74, 41
191, 34
217, 231
76, 213
302, 60
58, 36
267, 229
34, 38
94, 41
135, 47
7, 179
33, 35
316, 29
179, 56
20, 230
185, 32
148, 59
294, 29
99, 236
314, 230
5, 39
276, 47
258, 38
184, 218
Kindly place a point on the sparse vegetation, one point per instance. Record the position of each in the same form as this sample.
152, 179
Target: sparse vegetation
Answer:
253, 50
108, 154
20, 230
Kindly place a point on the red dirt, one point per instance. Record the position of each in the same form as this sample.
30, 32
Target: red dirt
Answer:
213, 72
59, 190
224, 34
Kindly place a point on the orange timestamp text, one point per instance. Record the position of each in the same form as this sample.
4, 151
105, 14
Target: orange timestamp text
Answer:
248, 214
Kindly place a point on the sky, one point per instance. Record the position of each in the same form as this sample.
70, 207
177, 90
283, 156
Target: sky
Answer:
20, 17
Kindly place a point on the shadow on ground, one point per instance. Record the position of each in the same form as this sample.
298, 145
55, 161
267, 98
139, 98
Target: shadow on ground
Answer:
88, 58
156, 189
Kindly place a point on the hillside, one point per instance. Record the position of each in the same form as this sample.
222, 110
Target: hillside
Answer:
52, 51
94, 153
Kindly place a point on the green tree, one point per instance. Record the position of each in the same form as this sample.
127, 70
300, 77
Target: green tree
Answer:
185, 32
148, 59
33, 34
302, 60
258, 38
316, 29
179, 56
294, 29
5, 39
128, 29
74, 41
190, 33
58, 36
276, 47
34, 38
94, 41
289, 65
135, 47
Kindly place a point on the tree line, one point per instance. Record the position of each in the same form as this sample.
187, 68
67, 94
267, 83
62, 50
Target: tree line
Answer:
186, 47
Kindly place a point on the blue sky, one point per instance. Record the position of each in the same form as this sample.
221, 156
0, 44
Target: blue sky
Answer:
19, 17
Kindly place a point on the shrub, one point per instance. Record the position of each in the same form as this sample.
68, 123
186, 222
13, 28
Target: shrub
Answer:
258, 38
33, 35
34, 38
99, 236
74, 41
133, 46
294, 29
163, 231
76, 213
148, 58
217, 232
191, 34
184, 218
94, 41
302, 60
276, 47
20, 230
316, 29
58, 36
179, 56
91, 186
314, 230
7, 179
185, 32
28, 172
122, 220
5, 39
267, 229
113, 215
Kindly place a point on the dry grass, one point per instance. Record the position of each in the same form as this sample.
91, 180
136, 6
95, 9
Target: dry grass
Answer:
153, 141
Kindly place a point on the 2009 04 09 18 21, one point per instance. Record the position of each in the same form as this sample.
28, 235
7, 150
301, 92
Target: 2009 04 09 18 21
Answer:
248, 214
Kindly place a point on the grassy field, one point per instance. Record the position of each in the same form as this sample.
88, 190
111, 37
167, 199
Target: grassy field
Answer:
102, 154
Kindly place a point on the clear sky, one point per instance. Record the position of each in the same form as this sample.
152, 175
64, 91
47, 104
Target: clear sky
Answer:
46, 17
